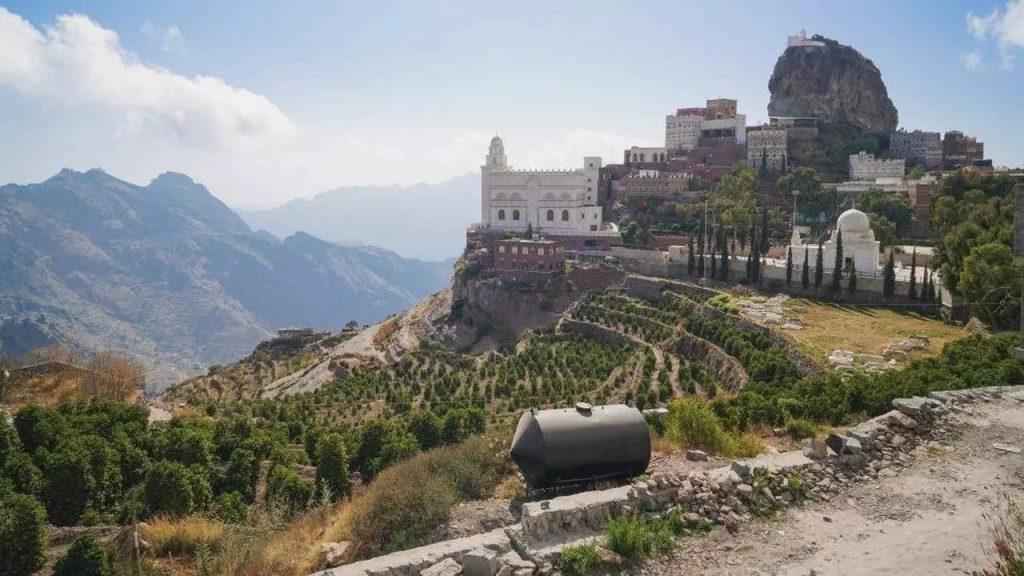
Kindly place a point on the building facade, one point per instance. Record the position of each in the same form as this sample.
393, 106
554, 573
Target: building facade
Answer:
718, 122
642, 157
961, 150
917, 147
766, 148
655, 184
802, 41
921, 193
550, 202
515, 256
864, 166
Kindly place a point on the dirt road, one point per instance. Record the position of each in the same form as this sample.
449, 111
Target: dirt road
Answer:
927, 520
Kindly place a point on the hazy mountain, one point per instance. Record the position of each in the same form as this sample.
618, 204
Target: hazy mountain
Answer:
171, 274
426, 221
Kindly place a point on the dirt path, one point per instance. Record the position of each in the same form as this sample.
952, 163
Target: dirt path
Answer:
928, 520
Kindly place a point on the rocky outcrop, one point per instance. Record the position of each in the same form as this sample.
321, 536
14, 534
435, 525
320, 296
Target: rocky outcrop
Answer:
833, 82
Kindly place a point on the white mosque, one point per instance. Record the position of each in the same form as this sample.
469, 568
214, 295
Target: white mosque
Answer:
859, 244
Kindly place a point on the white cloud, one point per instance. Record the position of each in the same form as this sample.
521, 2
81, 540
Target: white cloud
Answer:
77, 61
971, 60
1005, 26
172, 40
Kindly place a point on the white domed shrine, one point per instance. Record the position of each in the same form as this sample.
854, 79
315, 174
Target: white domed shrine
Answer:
859, 245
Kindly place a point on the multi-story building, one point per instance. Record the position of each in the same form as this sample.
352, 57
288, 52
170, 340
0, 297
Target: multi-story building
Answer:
864, 166
921, 193
655, 184
516, 258
717, 123
550, 202
960, 150
646, 157
917, 147
766, 148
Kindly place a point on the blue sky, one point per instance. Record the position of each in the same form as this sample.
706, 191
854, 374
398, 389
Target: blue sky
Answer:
300, 97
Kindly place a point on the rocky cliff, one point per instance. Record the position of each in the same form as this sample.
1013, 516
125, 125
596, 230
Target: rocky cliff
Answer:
833, 82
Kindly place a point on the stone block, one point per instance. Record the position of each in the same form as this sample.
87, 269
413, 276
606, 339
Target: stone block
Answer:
696, 455
814, 448
843, 444
446, 567
480, 562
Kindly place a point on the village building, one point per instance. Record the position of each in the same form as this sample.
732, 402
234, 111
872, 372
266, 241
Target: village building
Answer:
960, 150
717, 123
921, 193
655, 184
917, 147
766, 149
802, 41
520, 259
562, 204
796, 127
864, 166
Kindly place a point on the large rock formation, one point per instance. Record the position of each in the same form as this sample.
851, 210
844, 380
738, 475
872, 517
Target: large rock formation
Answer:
833, 82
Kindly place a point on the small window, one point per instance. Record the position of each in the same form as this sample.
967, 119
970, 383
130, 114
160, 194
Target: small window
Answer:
551, 215
515, 249
540, 251
565, 215
501, 214
593, 228
501, 248
515, 214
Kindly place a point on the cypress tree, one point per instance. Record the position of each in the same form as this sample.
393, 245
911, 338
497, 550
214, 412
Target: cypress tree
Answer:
819, 267
912, 290
723, 267
837, 269
933, 296
923, 296
805, 274
789, 266
691, 262
714, 265
889, 277
851, 286
763, 246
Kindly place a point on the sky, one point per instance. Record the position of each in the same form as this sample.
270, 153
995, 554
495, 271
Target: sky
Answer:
268, 101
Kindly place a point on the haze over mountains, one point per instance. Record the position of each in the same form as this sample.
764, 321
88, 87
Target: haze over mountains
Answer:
171, 274
426, 221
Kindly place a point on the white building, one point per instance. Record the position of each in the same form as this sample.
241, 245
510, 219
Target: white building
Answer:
553, 202
859, 245
864, 166
715, 123
768, 148
802, 41
682, 129
645, 155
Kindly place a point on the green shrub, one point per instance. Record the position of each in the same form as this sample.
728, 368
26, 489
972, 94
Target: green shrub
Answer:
693, 424
167, 489
231, 508
24, 475
22, 535
578, 560
285, 486
86, 557
70, 484
332, 465
801, 428
631, 537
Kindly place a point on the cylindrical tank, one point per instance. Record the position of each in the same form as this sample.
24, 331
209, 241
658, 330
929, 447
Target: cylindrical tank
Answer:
580, 444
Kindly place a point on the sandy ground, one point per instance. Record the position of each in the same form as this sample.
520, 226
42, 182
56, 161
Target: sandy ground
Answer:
928, 520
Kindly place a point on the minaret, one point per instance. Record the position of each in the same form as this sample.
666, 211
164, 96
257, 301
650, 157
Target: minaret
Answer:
496, 162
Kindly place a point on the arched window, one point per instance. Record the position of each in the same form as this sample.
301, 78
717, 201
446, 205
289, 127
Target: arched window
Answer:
501, 214
634, 157
551, 215
641, 156
565, 215
515, 214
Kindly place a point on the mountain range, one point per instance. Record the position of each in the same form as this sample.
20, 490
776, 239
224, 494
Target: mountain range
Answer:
171, 274
425, 221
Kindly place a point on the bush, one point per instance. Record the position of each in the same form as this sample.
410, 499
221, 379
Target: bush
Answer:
578, 560
285, 486
167, 489
801, 428
332, 465
69, 485
86, 557
23, 474
231, 508
694, 425
631, 537
22, 535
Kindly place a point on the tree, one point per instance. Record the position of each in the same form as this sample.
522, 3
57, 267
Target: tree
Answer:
167, 489
691, 262
819, 267
23, 474
115, 375
714, 265
895, 207
38, 427
8, 440
851, 286
284, 485
884, 230
70, 484
426, 427
916, 173
332, 466
923, 296
889, 277
932, 291
763, 246
22, 535
990, 282
805, 274
241, 473
789, 266
723, 267
837, 268
700, 249
912, 289
351, 325
86, 557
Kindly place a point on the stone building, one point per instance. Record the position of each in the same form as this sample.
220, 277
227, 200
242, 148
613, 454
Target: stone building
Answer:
960, 150
767, 148
716, 123
548, 202
864, 166
917, 147
921, 193
645, 157
859, 245
796, 127
802, 41
655, 184
516, 258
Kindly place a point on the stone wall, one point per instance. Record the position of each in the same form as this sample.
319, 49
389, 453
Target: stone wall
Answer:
598, 332
725, 368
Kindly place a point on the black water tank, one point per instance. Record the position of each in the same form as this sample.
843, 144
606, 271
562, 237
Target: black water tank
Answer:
571, 445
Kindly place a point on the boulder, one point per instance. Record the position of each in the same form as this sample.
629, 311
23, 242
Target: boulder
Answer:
446, 567
696, 455
480, 562
608, 557
843, 444
814, 448
333, 554
917, 406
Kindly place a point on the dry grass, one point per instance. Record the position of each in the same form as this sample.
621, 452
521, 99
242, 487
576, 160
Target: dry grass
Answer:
182, 536
385, 331
830, 326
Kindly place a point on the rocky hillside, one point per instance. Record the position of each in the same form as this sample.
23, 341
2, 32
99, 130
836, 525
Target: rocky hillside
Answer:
835, 83
171, 274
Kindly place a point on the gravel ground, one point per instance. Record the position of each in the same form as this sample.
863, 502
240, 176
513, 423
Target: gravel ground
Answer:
928, 520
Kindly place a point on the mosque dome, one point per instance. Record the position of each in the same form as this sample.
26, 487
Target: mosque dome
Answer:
854, 220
